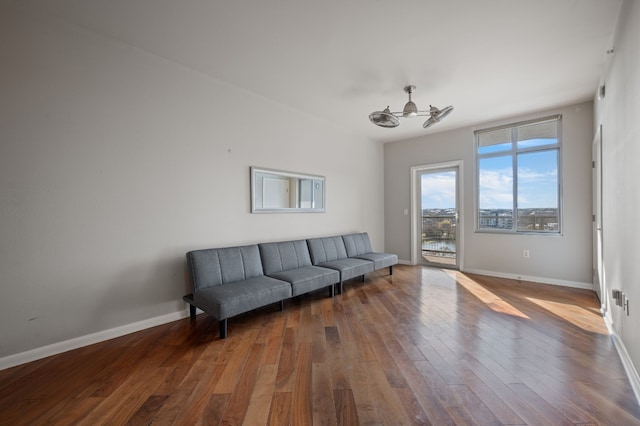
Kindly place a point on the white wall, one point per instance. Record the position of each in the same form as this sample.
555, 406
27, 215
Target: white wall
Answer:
564, 259
618, 113
115, 162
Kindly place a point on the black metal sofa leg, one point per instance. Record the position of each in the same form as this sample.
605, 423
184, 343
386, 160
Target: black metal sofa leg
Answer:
223, 328
391, 270
192, 312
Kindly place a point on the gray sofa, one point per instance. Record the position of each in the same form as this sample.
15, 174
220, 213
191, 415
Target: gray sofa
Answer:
330, 252
289, 261
229, 281
358, 246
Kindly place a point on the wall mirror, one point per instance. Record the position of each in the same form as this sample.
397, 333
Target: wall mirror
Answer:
276, 191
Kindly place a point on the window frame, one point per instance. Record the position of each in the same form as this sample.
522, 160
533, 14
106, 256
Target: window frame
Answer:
513, 153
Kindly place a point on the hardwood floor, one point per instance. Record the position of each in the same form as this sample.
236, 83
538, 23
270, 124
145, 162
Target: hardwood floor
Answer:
424, 346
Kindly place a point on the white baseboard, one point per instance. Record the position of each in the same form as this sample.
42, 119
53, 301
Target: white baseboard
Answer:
632, 373
542, 280
89, 339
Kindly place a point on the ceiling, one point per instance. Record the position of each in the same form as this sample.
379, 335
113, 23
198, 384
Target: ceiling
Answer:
339, 60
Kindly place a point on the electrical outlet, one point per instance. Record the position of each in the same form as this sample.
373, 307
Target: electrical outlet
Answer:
525, 253
625, 303
617, 296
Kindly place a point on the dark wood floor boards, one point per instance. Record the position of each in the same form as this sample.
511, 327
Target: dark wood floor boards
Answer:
367, 407
260, 402
346, 410
280, 412
242, 391
286, 364
322, 397
424, 346
301, 406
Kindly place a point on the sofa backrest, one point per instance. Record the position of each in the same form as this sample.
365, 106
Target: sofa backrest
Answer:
357, 244
211, 267
282, 256
326, 249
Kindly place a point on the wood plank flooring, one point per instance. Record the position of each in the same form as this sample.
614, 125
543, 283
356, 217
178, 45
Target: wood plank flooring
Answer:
424, 346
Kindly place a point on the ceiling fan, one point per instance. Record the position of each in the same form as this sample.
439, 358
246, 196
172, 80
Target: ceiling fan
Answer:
386, 118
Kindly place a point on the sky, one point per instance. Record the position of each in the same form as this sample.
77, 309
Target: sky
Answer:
537, 185
439, 190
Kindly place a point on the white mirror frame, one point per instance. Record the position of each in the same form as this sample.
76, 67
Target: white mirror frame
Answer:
277, 191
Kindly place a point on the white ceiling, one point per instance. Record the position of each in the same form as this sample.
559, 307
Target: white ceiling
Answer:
339, 60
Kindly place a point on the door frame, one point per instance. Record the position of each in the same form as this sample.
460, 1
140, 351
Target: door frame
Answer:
599, 279
416, 203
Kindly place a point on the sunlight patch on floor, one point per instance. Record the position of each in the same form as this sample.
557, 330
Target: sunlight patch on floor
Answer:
573, 314
494, 302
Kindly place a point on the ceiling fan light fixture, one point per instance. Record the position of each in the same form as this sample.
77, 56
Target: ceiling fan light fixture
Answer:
410, 109
431, 121
386, 118
438, 113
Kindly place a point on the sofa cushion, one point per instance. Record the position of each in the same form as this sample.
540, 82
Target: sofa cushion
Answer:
214, 267
290, 261
283, 256
326, 249
225, 301
329, 252
349, 268
380, 260
359, 246
308, 278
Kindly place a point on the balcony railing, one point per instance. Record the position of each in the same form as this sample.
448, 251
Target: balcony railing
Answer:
439, 236
529, 222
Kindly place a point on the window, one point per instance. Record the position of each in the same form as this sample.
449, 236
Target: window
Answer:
518, 181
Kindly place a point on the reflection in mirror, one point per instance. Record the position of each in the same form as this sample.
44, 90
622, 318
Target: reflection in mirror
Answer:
278, 191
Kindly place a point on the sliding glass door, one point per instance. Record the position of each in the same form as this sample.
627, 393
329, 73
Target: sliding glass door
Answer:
438, 217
